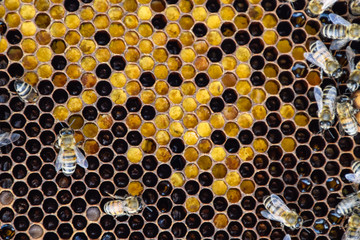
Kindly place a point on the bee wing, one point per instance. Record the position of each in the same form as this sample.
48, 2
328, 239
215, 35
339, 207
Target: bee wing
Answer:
351, 177
318, 94
327, 3
279, 203
338, 44
58, 163
270, 216
6, 139
287, 237
311, 59
350, 55
336, 19
80, 158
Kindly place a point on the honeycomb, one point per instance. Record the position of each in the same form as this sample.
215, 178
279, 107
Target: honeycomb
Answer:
201, 107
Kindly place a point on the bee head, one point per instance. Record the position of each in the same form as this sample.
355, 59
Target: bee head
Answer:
325, 125
299, 222
314, 8
66, 131
352, 85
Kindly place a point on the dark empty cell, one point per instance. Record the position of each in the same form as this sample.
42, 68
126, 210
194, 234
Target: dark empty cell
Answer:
31, 112
218, 137
241, 5
102, 37
274, 136
228, 46
121, 180
206, 195
71, 5
283, 11
17, 121
79, 222
134, 138
268, 5
259, 128
232, 145
177, 145
15, 70
207, 229
229, 95
217, 104
173, 46
287, 95
202, 80
147, 79
135, 171
119, 129
178, 213
288, 127
149, 163
74, 88
284, 29
256, 45
104, 104
285, 62
242, 37
199, 30
159, 21
7, 215
298, 36
20, 189
45, 87
273, 103
90, 113
150, 213
120, 146
16, 104
178, 162
105, 138
164, 171
340, 8
246, 170
164, 222
64, 214
164, 188
148, 112
207, 212
286, 78
60, 96
19, 171
13, 36
246, 137
164, 205
174, 79
47, 137
214, 54
93, 231
300, 70
257, 62
58, 62
133, 104
103, 71
122, 231
178, 196
3, 28
179, 230
257, 78
4, 79
228, 29
213, 6
119, 113
3, 61
256, 29
86, 1
205, 179
21, 223
150, 230
303, 152
117, 63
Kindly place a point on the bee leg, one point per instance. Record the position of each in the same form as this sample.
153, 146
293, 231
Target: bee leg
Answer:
114, 196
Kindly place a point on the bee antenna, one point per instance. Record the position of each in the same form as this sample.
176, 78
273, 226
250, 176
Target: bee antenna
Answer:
309, 220
307, 230
149, 209
72, 122
331, 134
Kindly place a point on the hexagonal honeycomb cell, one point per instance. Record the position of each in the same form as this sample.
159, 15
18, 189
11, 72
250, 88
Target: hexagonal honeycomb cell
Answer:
200, 107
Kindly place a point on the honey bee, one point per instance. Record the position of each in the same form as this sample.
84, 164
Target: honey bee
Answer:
353, 228
123, 206
6, 138
26, 92
69, 153
320, 56
326, 104
345, 112
354, 177
316, 7
346, 206
277, 210
355, 7
353, 82
341, 30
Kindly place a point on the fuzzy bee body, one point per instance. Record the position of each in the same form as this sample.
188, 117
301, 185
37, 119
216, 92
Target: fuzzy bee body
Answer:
123, 206
69, 154
354, 177
326, 105
346, 206
316, 7
342, 31
320, 56
278, 211
345, 112
355, 7
26, 92
353, 83
353, 229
